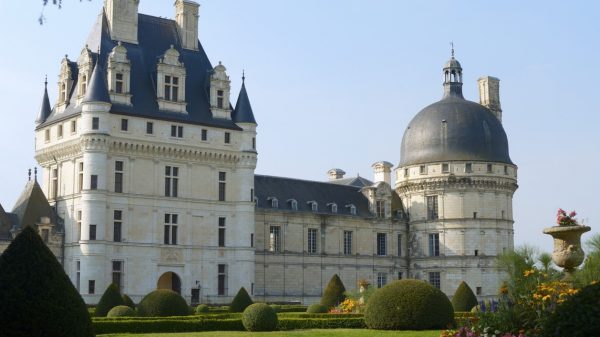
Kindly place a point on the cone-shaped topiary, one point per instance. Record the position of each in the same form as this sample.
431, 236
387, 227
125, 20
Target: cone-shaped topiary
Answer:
163, 302
464, 299
121, 311
317, 309
577, 316
259, 317
334, 292
128, 301
241, 301
36, 296
110, 299
408, 305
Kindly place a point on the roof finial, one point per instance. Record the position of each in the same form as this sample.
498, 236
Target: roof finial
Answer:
243, 75
452, 48
29, 175
46, 81
35, 173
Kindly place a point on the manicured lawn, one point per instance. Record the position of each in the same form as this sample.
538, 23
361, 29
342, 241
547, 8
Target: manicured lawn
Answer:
295, 333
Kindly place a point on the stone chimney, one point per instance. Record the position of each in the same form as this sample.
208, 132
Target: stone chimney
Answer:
122, 16
489, 94
186, 16
335, 174
382, 171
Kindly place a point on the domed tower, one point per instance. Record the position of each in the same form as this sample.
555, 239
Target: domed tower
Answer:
456, 181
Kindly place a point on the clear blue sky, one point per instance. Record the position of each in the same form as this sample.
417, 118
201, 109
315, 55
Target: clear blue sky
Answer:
334, 84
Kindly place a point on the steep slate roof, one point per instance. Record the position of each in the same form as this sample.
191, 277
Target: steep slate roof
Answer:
155, 36
45, 107
243, 110
5, 224
97, 90
32, 205
357, 181
304, 191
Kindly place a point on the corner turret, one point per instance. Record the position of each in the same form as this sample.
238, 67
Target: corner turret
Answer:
45, 108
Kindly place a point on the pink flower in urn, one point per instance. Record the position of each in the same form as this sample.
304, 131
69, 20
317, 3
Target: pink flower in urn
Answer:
572, 214
562, 219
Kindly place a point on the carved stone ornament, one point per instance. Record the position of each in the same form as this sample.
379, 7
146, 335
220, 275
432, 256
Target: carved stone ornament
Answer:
567, 252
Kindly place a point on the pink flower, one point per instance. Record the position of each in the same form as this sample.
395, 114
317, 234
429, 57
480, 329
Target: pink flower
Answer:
572, 214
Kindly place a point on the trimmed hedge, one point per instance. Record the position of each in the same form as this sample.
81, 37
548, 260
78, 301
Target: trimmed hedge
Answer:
334, 292
317, 309
201, 309
259, 317
121, 311
110, 299
163, 302
241, 301
322, 323
408, 305
577, 316
464, 299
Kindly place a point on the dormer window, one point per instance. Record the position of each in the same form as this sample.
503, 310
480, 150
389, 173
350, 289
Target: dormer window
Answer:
63, 92
83, 84
85, 66
314, 206
220, 87
65, 83
332, 207
172, 88
171, 82
220, 94
352, 209
274, 202
293, 204
119, 71
119, 83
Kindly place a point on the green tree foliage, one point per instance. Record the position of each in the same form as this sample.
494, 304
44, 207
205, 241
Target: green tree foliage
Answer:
334, 292
36, 296
163, 302
590, 271
121, 311
110, 299
464, 299
241, 301
128, 301
578, 316
259, 317
408, 305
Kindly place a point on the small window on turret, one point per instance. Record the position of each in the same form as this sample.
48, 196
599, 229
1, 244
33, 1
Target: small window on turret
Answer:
489, 168
445, 168
422, 169
505, 170
47, 135
95, 123
406, 172
60, 131
73, 126
468, 168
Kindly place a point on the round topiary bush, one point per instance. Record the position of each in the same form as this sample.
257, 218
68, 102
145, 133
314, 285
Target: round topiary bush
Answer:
110, 299
408, 305
259, 317
317, 309
334, 292
577, 316
241, 301
464, 299
121, 311
128, 301
163, 302
201, 309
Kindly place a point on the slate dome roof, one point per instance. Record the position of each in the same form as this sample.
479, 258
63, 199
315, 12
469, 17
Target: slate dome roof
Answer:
454, 129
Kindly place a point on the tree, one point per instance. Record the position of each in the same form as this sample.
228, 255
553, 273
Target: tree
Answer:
464, 299
37, 298
110, 299
334, 292
590, 271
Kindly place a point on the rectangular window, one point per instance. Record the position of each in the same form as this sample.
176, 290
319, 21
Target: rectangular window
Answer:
381, 244
117, 225
80, 178
502, 215
489, 168
505, 170
171, 181
93, 182
434, 244
73, 126
60, 131
380, 208
221, 232
177, 131
78, 225
204, 134
432, 207
474, 215
478, 291
468, 168
171, 88
117, 274
47, 135
347, 243
275, 239
54, 192
222, 280
45, 235
251, 239
119, 83
78, 275
312, 240
422, 169
406, 172
399, 244
253, 143
91, 287
445, 168
170, 237
92, 232
124, 124
222, 185
400, 275
227, 138
381, 279
118, 176
95, 123
220, 99
149, 128
434, 279
476, 252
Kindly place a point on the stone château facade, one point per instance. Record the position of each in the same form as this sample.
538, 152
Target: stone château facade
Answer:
149, 180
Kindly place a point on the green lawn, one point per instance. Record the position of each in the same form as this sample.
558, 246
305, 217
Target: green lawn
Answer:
294, 333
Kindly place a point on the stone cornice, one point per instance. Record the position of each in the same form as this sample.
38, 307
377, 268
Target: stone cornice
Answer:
459, 184
59, 152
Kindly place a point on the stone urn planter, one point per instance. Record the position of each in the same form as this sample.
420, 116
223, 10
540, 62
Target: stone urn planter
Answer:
567, 252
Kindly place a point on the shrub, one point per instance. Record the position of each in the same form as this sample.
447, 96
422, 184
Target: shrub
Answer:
259, 317
334, 292
163, 302
317, 309
164, 325
201, 309
408, 304
110, 299
121, 311
464, 299
37, 298
276, 307
577, 316
128, 301
241, 301
330, 322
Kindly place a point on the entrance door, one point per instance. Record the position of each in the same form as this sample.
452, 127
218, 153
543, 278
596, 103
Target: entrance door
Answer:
169, 280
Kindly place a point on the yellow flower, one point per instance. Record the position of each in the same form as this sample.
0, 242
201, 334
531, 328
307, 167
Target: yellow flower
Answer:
546, 298
594, 282
528, 272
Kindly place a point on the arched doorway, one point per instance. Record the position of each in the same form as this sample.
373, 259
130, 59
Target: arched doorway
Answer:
169, 280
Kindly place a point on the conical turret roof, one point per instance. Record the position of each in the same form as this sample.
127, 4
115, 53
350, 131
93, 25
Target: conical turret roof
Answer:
243, 110
97, 90
45, 108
